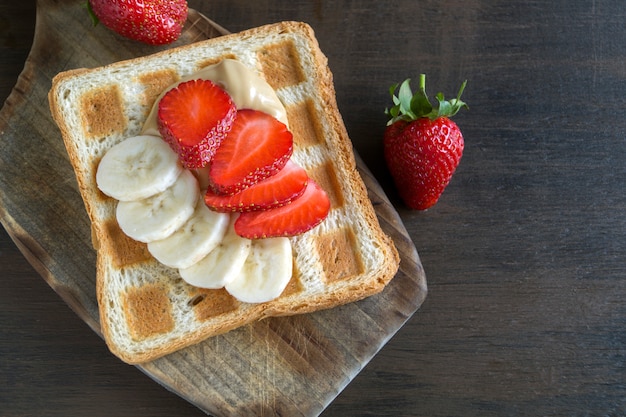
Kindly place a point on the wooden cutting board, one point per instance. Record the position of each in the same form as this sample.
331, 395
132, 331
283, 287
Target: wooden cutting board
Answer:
284, 366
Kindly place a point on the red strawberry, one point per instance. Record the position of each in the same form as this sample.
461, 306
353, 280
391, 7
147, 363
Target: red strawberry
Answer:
287, 185
299, 216
422, 146
155, 22
257, 147
194, 118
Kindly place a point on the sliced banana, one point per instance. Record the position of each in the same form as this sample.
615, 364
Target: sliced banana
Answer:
157, 217
193, 240
222, 264
137, 168
266, 272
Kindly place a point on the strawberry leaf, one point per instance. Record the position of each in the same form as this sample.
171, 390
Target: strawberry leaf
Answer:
408, 106
419, 103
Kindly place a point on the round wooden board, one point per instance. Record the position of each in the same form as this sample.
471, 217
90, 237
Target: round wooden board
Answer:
286, 366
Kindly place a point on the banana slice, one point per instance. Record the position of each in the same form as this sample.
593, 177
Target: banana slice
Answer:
194, 240
265, 273
137, 168
222, 264
157, 217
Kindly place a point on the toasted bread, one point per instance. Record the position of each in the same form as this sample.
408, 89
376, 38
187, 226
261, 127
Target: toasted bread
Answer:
146, 309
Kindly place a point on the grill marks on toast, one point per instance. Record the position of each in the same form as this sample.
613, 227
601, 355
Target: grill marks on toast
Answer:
102, 111
283, 62
124, 250
207, 303
304, 124
294, 286
338, 255
213, 61
148, 311
326, 177
154, 84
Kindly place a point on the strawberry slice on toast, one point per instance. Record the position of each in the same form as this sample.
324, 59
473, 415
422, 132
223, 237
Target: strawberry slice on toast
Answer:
299, 216
280, 189
257, 147
194, 118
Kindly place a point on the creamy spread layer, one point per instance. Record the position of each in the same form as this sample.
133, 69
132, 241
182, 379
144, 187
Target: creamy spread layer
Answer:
247, 90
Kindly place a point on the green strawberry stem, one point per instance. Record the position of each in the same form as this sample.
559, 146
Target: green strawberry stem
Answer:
408, 106
94, 18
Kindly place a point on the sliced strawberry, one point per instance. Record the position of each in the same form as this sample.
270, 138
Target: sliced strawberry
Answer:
257, 147
287, 185
194, 118
299, 216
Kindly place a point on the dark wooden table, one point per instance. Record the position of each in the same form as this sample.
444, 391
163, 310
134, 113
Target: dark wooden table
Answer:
524, 253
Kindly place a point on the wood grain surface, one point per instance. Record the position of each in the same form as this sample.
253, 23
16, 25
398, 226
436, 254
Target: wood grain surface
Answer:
524, 253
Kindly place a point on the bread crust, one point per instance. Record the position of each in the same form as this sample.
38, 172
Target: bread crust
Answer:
146, 310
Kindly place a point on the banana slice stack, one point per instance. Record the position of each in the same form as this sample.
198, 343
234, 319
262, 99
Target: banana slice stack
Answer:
162, 204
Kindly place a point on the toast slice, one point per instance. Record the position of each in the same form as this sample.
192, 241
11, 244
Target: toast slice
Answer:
146, 309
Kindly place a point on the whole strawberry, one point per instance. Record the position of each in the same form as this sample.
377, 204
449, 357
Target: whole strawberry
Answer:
155, 22
422, 146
